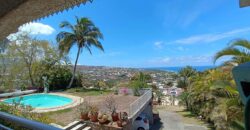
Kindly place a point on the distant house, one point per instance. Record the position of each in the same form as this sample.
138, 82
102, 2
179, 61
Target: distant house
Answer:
160, 87
175, 91
165, 92
171, 91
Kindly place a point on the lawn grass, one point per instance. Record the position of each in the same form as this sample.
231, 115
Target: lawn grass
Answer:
59, 111
191, 118
65, 116
87, 92
187, 114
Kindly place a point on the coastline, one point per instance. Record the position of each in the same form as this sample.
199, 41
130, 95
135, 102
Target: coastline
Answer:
178, 68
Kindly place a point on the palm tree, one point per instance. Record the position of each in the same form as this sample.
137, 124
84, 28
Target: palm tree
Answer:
185, 73
84, 34
239, 50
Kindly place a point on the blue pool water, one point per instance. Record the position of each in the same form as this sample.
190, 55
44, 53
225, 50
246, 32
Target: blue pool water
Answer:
41, 100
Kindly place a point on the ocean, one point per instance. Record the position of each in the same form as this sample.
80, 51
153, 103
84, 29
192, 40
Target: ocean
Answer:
177, 69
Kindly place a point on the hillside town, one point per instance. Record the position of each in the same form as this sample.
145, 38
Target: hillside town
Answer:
160, 79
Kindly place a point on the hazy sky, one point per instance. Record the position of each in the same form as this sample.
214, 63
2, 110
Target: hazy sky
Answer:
154, 33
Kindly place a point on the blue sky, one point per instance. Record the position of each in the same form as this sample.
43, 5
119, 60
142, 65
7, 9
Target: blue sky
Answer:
147, 33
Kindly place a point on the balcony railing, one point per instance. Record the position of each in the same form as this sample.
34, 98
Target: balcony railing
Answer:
25, 123
139, 104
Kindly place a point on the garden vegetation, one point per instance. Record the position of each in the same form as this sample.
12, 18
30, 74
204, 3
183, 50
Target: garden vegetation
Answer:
213, 94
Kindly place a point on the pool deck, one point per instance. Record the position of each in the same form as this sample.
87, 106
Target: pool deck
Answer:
76, 101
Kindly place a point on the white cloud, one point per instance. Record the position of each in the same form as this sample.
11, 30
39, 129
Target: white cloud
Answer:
181, 61
160, 60
114, 54
180, 48
110, 54
166, 59
158, 44
37, 28
195, 59
33, 29
190, 18
207, 38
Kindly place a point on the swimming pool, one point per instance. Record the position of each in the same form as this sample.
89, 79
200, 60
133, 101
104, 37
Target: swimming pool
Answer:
41, 100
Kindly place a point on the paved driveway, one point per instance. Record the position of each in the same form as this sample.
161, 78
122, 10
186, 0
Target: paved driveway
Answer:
172, 121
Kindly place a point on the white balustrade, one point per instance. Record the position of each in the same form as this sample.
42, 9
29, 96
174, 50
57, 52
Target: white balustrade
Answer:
139, 104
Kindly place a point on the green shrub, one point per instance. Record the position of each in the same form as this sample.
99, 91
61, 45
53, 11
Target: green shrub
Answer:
22, 111
59, 77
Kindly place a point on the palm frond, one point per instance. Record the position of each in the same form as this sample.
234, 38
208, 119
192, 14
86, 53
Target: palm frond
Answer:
94, 42
95, 32
241, 43
66, 24
66, 40
89, 49
241, 59
229, 52
85, 22
230, 63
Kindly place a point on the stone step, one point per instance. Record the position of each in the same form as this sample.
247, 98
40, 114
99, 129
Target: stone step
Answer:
79, 127
72, 125
56, 125
87, 128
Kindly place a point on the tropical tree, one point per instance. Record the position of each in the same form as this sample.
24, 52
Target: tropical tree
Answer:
142, 77
139, 81
28, 52
213, 95
3, 59
55, 67
101, 85
84, 34
239, 50
186, 73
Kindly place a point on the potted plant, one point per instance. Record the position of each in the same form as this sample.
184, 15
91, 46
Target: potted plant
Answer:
123, 118
115, 116
93, 114
111, 107
119, 123
84, 114
84, 109
103, 118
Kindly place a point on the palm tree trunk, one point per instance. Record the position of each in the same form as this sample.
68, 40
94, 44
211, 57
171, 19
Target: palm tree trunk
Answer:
73, 76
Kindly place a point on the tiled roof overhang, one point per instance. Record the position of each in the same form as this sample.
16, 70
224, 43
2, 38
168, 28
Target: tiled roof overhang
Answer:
244, 3
14, 13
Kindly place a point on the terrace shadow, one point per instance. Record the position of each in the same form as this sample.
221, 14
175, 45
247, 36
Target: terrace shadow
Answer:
158, 125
